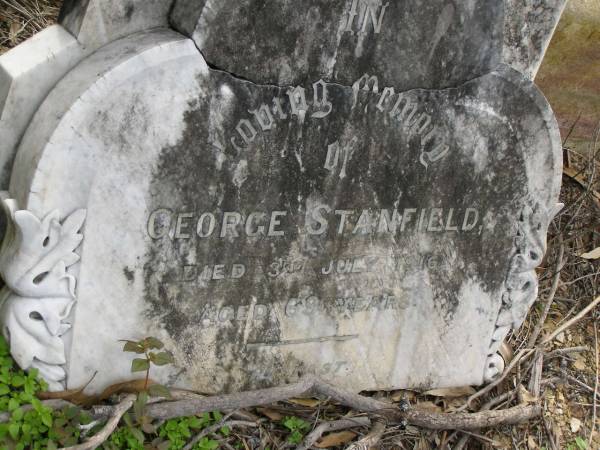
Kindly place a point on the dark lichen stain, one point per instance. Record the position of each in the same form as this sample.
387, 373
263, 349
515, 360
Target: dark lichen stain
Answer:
306, 39
129, 9
384, 173
129, 274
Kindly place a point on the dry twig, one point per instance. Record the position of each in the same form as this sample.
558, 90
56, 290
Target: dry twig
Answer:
327, 427
572, 322
101, 437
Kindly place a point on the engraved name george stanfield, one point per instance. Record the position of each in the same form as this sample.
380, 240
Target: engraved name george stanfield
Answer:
308, 282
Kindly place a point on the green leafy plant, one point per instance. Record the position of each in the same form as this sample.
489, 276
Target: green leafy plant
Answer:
579, 444
146, 347
32, 425
153, 354
297, 428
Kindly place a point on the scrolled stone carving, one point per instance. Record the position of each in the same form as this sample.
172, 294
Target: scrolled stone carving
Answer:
521, 281
40, 292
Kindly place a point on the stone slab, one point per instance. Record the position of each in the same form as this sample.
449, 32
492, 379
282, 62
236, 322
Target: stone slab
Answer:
27, 73
370, 235
431, 44
529, 26
97, 22
411, 44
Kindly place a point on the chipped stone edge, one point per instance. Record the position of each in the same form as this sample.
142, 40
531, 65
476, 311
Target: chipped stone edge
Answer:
521, 284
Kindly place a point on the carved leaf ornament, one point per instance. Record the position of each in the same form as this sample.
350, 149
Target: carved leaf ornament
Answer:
39, 294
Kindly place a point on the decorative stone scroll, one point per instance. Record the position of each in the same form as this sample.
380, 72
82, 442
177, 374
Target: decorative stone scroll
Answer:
40, 292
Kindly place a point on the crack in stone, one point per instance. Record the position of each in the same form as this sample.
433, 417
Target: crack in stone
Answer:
215, 68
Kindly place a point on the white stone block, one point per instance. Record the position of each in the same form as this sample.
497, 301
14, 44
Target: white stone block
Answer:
97, 22
27, 73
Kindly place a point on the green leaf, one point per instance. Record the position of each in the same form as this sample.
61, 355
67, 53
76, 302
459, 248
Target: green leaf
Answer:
4, 389
152, 343
72, 412
133, 347
13, 430
138, 435
295, 437
158, 390
194, 422
162, 358
18, 381
13, 404
46, 417
581, 443
140, 405
140, 365
17, 414
225, 431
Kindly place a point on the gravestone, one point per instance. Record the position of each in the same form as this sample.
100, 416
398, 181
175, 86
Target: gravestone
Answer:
356, 190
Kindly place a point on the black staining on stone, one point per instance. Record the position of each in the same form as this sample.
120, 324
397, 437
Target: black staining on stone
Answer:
408, 44
190, 284
129, 10
185, 14
129, 274
72, 14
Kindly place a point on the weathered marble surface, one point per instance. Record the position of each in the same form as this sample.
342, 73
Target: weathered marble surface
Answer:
432, 44
27, 73
412, 44
97, 22
445, 287
529, 26
358, 193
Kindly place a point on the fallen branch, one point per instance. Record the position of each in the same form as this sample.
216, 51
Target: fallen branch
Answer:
523, 354
327, 427
217, 427
98, 439
372, 439
311, 386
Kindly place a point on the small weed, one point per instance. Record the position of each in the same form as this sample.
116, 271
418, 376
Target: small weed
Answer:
297, 428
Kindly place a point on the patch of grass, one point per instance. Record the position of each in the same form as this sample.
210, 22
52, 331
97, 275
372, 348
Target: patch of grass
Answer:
21, 19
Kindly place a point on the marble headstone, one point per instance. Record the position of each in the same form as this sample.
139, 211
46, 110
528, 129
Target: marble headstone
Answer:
354, 189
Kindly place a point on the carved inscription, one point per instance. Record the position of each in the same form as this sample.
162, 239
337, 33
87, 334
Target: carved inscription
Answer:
364, 16
298, 105
318, 220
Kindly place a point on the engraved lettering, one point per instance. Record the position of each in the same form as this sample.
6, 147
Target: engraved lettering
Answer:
211, 225
343, 215
246, 131
317, 218
471, 219
449, 226
251, 229
298, 103
275, 215
387, 224
363, 225
371, 12
154, 219
387, 93
435, 216
321, 103
230, 221
181, 226
263, 117
406, 217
